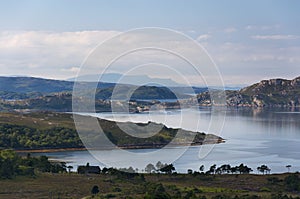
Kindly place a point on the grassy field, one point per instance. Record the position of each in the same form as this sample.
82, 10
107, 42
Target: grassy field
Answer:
39, 120
142, 186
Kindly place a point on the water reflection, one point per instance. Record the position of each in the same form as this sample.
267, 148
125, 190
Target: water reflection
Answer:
253, 137
277, 121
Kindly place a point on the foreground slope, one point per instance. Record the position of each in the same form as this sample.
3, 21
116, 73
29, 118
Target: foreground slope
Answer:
244, 186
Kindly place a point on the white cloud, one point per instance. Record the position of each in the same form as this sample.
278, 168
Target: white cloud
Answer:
203, 37
275, 37
191, 31
72, 69
41, 53
246, 63
259, 55
57, 54
265, 27
230, 30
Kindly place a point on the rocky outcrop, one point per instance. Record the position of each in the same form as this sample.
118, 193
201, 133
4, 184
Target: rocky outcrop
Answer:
267, 93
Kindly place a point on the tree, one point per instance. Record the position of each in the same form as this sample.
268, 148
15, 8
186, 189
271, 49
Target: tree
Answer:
8, 163
226, 168
243, 169
70, 168
233, 169
43, 164
218, 170
105, 170
288, 167
168, 169
12, 164
159, 165
95, 190
150, 168
190, 171
260, 170
212, 169
63, 166
201, 168
264, 169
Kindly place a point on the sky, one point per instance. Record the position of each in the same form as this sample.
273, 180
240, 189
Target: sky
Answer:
247, 40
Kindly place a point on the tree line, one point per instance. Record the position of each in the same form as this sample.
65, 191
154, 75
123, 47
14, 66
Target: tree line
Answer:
11, 165
23, 137
223, 169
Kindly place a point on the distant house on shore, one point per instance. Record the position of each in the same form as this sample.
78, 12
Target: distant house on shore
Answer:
88, 169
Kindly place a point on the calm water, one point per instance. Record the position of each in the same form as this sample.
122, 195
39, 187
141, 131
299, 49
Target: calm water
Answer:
253, 137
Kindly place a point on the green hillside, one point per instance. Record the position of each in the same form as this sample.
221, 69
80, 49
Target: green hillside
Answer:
44, 130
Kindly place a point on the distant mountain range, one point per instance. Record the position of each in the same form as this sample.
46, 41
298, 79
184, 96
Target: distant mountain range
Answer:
28, 93
15, 88
128, 79
267, 93
143, 80
40, 85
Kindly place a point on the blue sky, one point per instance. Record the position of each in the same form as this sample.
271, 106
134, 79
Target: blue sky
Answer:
248, 40
74, 15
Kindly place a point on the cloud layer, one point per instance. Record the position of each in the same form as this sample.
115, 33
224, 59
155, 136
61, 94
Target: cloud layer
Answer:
47, 53
275, 37
241, 61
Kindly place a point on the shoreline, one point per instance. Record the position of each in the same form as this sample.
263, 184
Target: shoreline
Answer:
156, 146
48, 150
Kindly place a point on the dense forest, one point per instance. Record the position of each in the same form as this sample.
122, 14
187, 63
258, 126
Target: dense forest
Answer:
24, 137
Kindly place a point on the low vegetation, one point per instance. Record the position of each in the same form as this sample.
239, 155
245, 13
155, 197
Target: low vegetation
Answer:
111, 183
37, 177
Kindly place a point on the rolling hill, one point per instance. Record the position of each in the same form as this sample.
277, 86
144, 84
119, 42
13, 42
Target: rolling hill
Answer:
40, 85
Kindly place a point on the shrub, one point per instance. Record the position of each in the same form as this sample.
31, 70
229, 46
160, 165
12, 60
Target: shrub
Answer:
292, 182
95, 190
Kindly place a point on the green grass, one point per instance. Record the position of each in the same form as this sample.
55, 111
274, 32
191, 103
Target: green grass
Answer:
78, 186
